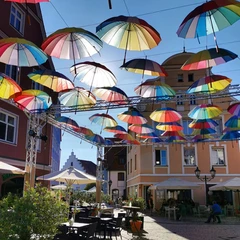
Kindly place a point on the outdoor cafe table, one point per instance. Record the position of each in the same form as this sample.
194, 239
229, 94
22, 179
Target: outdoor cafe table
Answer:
129, 210
103, 221
76, 225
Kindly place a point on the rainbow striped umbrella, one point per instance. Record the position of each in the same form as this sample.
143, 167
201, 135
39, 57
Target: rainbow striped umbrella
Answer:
8, 87
208, 58
127, 138
95, 138
129, 33
169, 126
84, 130
172, 134
108, 142
209, 84
174, 139
103, 119
165, 115
203, 123
144, 66
203, 131
230, 135
116, 129
233, 122
153, 140
141, 128
200, 138
234, 109
205, 111
133, 116
68, 122
33, 100
148, 135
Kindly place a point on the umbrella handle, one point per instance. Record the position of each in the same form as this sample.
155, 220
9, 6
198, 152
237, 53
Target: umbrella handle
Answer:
109, 4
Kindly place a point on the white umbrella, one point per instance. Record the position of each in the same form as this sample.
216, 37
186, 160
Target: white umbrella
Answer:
92, 190
59, 187
70, 176
232, 184
174, 183
7, 168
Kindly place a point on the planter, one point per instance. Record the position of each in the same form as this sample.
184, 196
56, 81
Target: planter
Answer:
136, 226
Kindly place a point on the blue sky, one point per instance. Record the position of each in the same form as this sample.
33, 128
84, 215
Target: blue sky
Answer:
164, 16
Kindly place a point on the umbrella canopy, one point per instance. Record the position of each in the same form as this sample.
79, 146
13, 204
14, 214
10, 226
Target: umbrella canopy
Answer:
233, 135
234, 109
111, 94
133, 116
175, 184
51, 79
203, 131
103, 119
8, 87
231, 184
176, 139
148, 135
153, 140
27, 1
201, 138
115, 129
209, 84
70, 176
93, 74
59, 187
141, 128
154, 88
84, 130
233, 122
7, 168
79, 98
172, 134
205, 111
67, 121
95, 138
169, 126
33, 100
129, 33
208, 58
165, 115
203, 123
144, 66
20, 52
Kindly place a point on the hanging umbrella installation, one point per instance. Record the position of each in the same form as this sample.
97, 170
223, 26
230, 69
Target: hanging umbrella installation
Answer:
165, 115
96, 139
128, 138
169, 126
133, 116
203, 123
84, 131
67, 122
115, 129
103, 119
141, 128
148, 135
51, 79
8, 87
201, 138
233, 122
234, 109
129, 33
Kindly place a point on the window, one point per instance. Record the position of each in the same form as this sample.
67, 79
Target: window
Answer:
121, 160
192, 100
186, 129
180, 77
120, 176
218, 128
8, 127
17, 18
128, 168
37, 86
135, 162
12, 72
191, 77
189, 156
217, 156
161, 157
179, 99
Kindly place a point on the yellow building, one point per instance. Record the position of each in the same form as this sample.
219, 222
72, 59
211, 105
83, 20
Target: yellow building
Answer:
148, 165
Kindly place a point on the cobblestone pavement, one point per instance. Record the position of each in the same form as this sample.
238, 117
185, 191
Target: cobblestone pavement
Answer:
156, 227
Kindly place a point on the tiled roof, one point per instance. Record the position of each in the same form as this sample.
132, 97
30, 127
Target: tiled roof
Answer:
89, 167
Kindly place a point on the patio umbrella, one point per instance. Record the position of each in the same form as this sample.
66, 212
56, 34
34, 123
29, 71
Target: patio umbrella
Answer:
209, 18
7, 168
169, 126
208, 58
115, 129
141, 128
175, 184
165, 115
205, 111
111, 94
33, 100
209, 84
51, 79
8, 87
59, 187
133, 116
144, 66
72, 43
67, 122
203, 123
233, 122
79, 98
93, 74
231, 184
129, 33
234, 109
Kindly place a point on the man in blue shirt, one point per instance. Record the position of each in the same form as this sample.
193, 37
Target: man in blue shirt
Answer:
216, 211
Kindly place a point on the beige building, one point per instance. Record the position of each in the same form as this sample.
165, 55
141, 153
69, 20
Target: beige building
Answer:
148, 165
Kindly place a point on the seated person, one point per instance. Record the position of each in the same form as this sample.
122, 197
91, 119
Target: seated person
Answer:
216, 211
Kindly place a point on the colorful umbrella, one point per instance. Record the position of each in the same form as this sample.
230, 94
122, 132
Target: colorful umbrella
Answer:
103, 119
8, 87
233, 122
141, 128
108, 142
200, 138
27, 1
116, 129
229, 129
170, 126
79, 98
205, 111
209, 84
68, 122
111, 94
132, 116
84, 130
93, 74
127, 137
172, 134
72, 43
148, 135
174, 139
155, 88
95, 138
129, 33
209, 18
203, 131
33, 100
234, 109
208, 58
51, 79
203, 123
153, 140
144, 66
20, 52
165, 115
230, 135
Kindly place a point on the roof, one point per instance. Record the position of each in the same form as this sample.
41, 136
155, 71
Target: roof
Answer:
89, 167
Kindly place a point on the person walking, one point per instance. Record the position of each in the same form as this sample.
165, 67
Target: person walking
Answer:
150, 202
216, 211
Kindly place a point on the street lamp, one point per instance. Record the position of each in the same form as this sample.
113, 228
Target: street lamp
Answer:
205, 179
109, 185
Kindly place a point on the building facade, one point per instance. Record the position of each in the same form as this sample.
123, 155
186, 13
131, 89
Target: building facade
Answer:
148, 165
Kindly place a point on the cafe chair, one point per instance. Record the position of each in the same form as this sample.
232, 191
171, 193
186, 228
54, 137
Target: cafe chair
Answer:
62, 233
90, 232
115, 227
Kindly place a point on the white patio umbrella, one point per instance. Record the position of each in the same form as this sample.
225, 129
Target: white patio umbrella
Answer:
175, 184
232, 184
59, 187
7, 168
